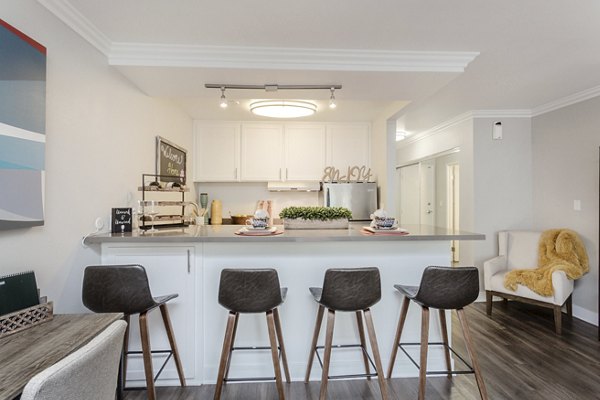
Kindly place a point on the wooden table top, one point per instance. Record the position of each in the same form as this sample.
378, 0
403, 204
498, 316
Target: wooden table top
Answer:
25, 354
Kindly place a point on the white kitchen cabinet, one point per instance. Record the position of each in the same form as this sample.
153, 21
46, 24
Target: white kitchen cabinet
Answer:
170, 269
304, 152
262, 152
216, 152
348, 145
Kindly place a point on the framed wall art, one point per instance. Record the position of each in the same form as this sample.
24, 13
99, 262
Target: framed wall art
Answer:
22, 129
170, 161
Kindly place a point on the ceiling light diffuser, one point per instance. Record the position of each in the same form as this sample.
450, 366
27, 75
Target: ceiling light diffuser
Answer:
283, 108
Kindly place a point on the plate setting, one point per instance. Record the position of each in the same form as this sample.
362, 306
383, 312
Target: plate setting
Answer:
249, 231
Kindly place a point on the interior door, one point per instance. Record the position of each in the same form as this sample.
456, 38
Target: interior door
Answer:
427, 191
409, 183
453, 205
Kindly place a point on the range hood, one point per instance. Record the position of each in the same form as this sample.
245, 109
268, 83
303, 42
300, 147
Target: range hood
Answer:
294, 186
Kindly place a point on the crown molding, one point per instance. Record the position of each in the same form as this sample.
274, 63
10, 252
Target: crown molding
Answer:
469, 115
160, 55
517, 113
68, 14
138, 54
566, 101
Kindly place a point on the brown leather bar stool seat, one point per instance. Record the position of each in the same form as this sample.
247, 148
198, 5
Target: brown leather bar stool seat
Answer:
350, 290
444, 288
125, 289
252, 291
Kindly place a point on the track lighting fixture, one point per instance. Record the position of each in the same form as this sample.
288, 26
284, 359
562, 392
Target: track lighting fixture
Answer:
279, 108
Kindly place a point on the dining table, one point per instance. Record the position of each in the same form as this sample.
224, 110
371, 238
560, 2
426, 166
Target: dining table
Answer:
26, 353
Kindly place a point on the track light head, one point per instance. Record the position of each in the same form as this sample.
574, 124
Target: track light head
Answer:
332, 103
223, 102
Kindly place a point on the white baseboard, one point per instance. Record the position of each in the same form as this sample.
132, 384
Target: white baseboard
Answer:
585, 315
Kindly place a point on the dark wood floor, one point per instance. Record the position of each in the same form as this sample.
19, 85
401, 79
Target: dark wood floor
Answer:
520, 357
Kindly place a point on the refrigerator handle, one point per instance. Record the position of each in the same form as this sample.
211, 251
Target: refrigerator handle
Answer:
327, 200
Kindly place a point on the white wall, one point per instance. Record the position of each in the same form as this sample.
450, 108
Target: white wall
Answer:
565, 168
502, 181
457, 135
242, 197
495, 177
100, 139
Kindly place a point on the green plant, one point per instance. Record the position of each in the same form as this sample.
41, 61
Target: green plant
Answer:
313, 213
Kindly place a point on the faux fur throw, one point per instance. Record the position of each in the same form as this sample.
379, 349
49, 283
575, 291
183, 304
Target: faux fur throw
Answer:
558, 250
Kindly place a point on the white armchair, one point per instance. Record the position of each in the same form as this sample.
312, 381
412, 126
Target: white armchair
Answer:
519, 250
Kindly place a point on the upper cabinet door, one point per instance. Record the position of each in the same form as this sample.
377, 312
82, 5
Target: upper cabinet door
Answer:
304, 152
348, 145
262, 152
216, 152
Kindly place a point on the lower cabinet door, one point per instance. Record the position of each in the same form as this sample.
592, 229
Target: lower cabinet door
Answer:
170, 269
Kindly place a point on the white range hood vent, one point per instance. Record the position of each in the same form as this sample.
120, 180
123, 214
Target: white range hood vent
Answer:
294, 186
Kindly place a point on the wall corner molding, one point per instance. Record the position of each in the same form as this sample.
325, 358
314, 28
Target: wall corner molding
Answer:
141, 54
68, 14
566, 101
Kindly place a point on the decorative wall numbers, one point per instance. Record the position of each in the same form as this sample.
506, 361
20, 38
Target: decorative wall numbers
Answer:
353, 174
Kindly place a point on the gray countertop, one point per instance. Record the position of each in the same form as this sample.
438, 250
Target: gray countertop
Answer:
226, 233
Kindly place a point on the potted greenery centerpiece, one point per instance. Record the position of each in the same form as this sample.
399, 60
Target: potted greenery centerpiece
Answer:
315, 217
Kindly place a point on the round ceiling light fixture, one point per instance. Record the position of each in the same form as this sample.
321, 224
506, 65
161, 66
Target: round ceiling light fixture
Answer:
283, 108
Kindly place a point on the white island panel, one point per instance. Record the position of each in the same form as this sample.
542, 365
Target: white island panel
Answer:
300, 266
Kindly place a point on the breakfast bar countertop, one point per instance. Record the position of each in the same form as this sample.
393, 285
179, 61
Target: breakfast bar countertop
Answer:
226, 233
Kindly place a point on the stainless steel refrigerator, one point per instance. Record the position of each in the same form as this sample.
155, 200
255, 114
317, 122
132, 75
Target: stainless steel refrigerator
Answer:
360, 198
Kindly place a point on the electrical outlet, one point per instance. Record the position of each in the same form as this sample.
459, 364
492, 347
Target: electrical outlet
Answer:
577, 205
99, 223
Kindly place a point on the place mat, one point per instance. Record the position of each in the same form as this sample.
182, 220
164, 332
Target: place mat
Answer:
272, 231
367, 230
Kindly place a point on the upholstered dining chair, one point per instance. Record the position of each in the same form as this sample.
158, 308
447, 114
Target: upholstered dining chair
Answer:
89, 373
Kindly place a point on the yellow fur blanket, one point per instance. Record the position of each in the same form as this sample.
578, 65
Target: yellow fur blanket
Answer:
558, 250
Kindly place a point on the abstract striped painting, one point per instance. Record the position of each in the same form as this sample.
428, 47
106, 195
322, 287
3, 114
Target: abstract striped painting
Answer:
22, 129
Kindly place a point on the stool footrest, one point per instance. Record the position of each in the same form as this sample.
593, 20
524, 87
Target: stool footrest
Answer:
347, 346
138, 352
260, 379
454, 372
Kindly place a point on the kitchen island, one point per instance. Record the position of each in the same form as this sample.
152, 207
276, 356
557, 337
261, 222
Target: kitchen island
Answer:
188, 261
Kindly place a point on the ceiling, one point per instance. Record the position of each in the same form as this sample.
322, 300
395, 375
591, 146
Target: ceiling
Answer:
432, 54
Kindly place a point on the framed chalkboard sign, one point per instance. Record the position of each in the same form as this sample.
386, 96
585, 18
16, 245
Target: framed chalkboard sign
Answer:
170, 161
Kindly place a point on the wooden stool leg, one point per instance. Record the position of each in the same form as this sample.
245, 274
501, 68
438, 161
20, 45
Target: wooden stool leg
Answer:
445, 341
424, 349
570, 307
313, 346
327, 354
169, 328
147, 356
488, 302
125, 349
401, 321
376, 355
275, 354
281, 345
558, 319
470, 349
225, 354
363, 342
235, 324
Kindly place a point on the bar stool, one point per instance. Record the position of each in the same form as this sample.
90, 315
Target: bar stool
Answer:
351, 290
252, 291
443, 288
125, 289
